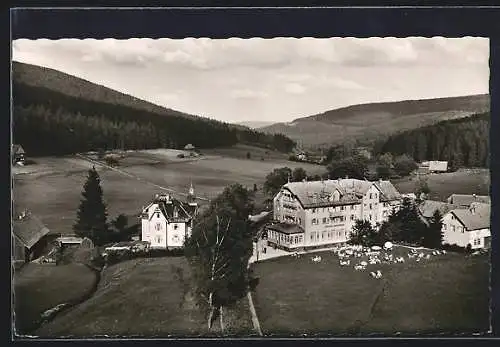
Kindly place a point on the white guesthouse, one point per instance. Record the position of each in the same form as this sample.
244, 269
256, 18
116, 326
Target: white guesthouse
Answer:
470, 226
166, 222
322, 213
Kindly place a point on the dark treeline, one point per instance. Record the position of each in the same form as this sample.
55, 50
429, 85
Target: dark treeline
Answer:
48, 122
462, 142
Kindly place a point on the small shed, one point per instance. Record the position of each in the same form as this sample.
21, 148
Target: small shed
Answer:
29, 238
189, 147
438, 166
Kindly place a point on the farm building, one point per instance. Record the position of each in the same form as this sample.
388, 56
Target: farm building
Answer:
166, 222
189, 147
465, 200
29, 238
427, 208
18, 154
470, 226
438, 166
322, 213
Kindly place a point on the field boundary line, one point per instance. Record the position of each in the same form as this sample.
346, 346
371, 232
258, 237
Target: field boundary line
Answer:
133, 176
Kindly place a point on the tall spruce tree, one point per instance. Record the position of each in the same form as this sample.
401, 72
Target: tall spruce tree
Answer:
434, 234
91, 219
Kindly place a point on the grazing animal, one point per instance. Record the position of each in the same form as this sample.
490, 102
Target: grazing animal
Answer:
428, 256
379, 274
373, 274
444, 252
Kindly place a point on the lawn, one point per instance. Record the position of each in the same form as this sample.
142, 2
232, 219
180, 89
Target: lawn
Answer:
296, 296
39, 287
143, 297
52, 187
464, 181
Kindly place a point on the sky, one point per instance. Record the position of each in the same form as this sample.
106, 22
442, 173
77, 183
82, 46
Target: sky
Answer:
278, 80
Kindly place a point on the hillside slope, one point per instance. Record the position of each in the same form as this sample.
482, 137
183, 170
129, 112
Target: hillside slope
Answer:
56, 113
370, 122
57, 81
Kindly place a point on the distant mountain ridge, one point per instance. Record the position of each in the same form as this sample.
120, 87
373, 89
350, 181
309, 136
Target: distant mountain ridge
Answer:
255, 124
373, 121
57, 113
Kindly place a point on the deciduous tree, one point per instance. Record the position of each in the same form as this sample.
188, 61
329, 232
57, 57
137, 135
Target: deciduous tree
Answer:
219, 249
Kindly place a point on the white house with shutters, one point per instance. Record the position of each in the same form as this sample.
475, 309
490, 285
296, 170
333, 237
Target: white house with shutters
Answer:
469, 226
167, 222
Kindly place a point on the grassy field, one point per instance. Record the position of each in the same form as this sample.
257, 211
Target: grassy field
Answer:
51, 188
297, 296
143, 297
464, 181
40, 287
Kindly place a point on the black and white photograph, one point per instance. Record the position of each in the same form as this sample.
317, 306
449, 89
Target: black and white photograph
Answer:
250, 187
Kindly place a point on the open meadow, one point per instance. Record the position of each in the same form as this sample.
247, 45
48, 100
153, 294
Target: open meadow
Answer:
51, 188
40, 287
445, 294
150, 297
463, 181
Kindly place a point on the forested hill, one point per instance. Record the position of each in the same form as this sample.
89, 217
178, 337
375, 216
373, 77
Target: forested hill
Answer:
51, 120
462, 142
371, 122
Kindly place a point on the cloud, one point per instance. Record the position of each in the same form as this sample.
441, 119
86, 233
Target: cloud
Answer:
206, 54
247, 94
294, 88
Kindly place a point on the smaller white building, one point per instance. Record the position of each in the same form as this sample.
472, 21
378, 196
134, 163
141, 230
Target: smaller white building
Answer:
463, 227
438, 166
167, 222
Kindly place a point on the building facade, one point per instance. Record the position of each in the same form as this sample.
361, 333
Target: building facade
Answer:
167, 222
464, 227
322, 213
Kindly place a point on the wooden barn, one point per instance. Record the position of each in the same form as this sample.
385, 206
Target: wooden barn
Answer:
29, 238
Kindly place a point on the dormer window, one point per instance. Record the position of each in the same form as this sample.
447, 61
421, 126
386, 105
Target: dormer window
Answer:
176, 213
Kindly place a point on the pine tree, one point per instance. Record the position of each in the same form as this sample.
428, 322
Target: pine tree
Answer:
92, 215
434, 234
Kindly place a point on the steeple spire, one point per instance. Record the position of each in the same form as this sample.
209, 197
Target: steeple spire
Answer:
191, 189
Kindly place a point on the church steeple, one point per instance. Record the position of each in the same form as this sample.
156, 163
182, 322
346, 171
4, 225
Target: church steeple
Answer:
191, 189
191, 198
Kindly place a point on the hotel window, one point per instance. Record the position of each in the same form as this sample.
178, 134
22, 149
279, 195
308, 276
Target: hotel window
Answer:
375, 195
312, 236
157, 215
176, 227
300, 238
352, 217
313, 210
342, 208
371, 206
452, 228
324, 220
352, 207
158, 227
370, 217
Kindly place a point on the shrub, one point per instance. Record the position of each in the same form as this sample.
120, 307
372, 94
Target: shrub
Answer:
180, 155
